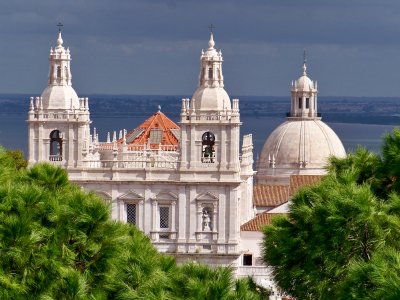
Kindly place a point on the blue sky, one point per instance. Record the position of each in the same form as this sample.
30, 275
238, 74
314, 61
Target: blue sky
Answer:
153, 46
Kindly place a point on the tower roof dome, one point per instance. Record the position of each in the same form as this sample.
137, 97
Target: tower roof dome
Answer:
210, 94
60, 97
211, 99
305, 84
59, 94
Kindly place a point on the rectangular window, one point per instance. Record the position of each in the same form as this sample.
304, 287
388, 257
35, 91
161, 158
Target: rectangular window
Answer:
247, 259
307, 102
300, 101
164, 217
131, 213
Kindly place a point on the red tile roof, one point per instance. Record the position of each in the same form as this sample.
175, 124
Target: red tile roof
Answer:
270, 195
156, 130
259, 221
298, 181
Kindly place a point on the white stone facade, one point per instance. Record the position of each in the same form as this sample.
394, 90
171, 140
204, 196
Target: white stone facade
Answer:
191, 199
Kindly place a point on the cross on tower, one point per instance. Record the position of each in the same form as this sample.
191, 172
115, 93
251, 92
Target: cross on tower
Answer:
59, 26
211, 27
305, 56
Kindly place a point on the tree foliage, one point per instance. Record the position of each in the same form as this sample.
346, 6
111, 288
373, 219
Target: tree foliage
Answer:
58, 242
341, 238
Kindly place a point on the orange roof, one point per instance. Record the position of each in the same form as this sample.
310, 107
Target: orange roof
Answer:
156, 130
298, 181
270, 195
259, 221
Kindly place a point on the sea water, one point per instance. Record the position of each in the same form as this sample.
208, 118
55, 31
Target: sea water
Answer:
260, 116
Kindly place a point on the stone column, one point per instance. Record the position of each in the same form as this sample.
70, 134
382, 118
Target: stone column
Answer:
140, 215
182, 214
155, 224
70, 155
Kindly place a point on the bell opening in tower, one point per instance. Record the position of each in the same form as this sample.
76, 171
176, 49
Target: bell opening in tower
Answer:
208, 151
55, 146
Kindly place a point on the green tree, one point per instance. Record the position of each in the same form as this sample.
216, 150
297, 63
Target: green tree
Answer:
59, 242
341, 238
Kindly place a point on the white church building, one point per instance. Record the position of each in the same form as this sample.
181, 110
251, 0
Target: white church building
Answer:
188, 186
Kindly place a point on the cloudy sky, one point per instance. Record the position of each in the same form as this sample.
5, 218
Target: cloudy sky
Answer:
153, 46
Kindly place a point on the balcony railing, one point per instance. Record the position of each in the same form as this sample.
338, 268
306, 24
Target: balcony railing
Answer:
126, 164
55, 158
317, 115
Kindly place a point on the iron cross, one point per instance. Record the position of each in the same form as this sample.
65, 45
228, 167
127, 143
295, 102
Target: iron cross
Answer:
211, 27
59, 26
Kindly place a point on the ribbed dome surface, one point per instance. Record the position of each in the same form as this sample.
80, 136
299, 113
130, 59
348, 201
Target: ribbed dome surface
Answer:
298, 145
304, 83
60, 97
211, 99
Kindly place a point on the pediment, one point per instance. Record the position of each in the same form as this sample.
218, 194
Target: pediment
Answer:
131, 195
104, 195
166, 196
207, 196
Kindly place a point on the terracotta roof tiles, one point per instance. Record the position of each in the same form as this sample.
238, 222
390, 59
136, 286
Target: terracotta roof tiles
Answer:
298, 181
156, 130
270, 195
259, 221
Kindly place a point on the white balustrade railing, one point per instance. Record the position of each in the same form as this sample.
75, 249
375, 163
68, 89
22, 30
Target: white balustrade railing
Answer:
139, 148
131, 164
55, 158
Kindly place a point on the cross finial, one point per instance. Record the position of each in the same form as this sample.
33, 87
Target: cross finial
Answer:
304, 62
59, 25
211, 27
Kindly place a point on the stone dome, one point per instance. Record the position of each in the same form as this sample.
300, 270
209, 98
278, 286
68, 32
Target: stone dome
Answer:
211, 99
60, 97
299, 146
304, 83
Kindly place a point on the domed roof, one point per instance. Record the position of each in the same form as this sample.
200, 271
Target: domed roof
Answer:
299, 146
211, 99
60, 97
304, 83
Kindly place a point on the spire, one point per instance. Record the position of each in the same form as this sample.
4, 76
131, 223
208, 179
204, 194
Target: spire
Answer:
304, 63
211, 65
304, 96
59, 39
211, 42
60, 73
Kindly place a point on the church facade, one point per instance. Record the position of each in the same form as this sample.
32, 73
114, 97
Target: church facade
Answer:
188, 186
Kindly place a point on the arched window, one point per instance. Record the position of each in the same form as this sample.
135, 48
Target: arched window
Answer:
55, 146
58, 72
208, 151
210, 73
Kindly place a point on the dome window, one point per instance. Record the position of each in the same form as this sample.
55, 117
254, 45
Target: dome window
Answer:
210, 73
300, 100
58, 72
208, 151
307, 102
55, 146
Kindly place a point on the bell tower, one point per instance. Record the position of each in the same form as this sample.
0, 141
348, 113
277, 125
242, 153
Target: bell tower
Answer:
58, 121
210, 123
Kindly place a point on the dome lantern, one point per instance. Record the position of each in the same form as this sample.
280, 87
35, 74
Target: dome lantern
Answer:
304, 96
210, 95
